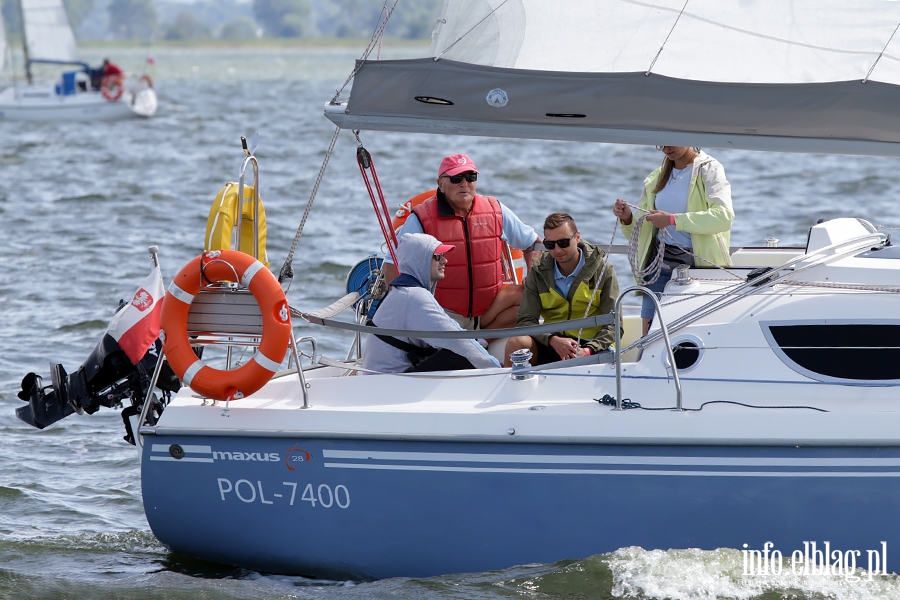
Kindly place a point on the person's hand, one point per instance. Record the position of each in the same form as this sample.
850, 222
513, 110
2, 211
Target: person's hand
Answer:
565, 347
659, 218
532, 255
583, 352
623, 211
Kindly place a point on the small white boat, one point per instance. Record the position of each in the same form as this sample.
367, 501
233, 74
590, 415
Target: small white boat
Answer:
48, 38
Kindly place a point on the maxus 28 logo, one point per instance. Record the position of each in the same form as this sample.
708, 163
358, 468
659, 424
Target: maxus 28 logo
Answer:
296, 455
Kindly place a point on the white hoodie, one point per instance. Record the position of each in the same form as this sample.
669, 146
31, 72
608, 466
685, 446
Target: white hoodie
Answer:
413, 307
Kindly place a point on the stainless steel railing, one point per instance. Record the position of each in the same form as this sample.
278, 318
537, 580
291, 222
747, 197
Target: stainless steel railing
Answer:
665, 334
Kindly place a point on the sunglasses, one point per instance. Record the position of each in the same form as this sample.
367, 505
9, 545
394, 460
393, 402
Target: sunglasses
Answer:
563, 243
470, 177
437, 257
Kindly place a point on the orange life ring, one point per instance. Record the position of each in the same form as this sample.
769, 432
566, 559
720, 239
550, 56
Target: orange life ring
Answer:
215, 266
402, 214
111, 86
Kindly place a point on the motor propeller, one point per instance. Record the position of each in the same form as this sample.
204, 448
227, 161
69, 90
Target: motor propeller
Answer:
106, 378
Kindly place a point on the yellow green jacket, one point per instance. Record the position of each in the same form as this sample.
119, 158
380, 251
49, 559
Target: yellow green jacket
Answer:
541, 299
708, 217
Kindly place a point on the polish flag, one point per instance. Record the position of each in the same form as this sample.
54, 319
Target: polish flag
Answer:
136, 326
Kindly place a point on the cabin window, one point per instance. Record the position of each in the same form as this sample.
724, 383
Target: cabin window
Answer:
838, 350
688, 351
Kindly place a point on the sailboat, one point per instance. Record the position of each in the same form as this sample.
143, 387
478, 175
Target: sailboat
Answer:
48, 38
763, 409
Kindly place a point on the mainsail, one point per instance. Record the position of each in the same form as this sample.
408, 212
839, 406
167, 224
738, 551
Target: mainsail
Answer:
788, 75
48, 34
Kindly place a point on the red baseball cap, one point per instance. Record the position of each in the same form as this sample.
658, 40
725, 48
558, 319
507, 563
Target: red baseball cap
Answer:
456, 164
443, 248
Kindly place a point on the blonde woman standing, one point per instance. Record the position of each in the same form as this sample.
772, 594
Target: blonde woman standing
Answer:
689, 198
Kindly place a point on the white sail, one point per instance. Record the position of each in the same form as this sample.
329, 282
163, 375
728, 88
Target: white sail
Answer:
3, 47
739, 41
792, 75
47, 31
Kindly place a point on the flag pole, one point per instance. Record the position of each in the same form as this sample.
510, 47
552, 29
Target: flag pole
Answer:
154, 256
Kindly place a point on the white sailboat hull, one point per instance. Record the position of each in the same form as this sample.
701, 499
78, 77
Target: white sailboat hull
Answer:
39, 103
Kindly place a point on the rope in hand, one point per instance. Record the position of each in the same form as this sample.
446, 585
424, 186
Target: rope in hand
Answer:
649, 274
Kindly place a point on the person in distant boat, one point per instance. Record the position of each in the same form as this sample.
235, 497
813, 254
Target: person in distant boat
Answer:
689, 198
411, 305
473, 293
107, 69
560, 288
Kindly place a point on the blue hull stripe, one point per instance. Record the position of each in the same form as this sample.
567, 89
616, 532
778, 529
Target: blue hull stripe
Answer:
614, 471
164, 455
187, 449
612, 460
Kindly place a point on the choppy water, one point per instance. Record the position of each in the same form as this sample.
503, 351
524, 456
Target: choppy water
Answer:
80, 203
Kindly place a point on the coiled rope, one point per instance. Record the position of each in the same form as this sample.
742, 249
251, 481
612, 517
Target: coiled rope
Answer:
649, 274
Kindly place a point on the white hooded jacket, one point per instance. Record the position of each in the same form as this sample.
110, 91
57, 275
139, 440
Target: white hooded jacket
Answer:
413, 307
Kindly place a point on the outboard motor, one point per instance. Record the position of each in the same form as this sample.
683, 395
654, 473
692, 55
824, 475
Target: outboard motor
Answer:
106, 378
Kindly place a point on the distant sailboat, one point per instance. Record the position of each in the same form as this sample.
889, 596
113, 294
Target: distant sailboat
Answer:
48, 38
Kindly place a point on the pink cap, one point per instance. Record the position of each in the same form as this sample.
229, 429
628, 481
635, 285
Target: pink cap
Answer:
456, 164
443, 248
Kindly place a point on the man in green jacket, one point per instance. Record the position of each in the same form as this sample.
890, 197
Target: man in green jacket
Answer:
559, 287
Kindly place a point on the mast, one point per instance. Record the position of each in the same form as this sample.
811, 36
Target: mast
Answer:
25, 43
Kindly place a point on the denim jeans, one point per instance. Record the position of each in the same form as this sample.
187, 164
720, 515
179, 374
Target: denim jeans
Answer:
648, 309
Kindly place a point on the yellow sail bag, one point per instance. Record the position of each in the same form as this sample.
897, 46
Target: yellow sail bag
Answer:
223, 218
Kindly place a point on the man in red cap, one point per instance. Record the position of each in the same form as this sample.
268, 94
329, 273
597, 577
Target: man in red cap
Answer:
472, 292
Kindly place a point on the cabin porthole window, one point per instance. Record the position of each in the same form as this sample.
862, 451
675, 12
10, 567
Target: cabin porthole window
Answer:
688, 351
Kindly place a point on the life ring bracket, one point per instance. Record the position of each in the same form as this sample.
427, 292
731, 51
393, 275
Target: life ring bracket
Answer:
217, 267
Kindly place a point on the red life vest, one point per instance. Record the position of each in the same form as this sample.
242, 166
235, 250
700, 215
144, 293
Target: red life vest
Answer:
474, 271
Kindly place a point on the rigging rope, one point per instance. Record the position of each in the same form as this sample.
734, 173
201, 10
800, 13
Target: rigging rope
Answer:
377, 35
366, 164
287, 269
880, 54
650, 68
447, 49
